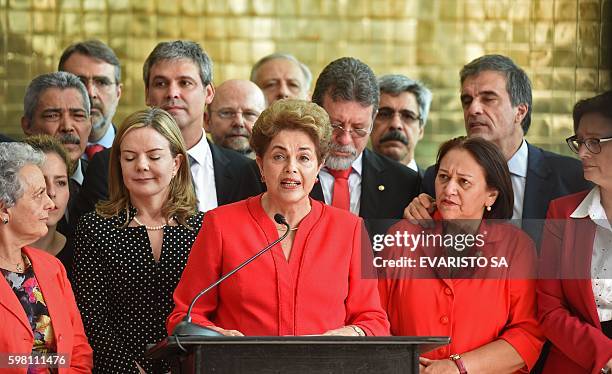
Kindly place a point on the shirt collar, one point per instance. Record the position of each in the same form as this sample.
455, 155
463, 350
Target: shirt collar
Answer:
591, 206
200, 152
413, 165
518, 162
77, 176
107, 140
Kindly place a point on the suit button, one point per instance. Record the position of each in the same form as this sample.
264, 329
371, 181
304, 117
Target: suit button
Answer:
60, 337
448, 291
444, 320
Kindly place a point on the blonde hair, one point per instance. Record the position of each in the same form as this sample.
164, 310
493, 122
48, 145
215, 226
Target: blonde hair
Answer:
290, 114
181, 201
50, 144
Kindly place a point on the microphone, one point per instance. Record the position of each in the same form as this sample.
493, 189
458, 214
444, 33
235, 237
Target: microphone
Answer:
186, 327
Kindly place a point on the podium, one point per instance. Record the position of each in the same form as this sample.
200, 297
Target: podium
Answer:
294, 354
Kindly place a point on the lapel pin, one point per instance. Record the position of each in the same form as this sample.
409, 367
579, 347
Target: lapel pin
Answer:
381, 187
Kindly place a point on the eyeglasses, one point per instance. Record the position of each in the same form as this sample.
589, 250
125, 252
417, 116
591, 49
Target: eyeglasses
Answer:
407, 116
248, 115
100, 83
354, 133
592, 144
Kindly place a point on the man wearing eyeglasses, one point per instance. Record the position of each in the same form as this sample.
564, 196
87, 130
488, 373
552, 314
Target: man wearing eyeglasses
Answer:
230, 116
496, 101
401, 118
98, 68
354, 178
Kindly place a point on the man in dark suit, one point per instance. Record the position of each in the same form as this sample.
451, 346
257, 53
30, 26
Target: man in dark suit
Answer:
178, 79
496, 100
354, 178
396, 136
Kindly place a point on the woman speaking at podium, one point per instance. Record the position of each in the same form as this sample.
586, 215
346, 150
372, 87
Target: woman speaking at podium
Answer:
310, 283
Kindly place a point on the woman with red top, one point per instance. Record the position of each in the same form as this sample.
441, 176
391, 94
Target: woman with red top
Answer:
310, 283
575, 292
39, 318
488, 312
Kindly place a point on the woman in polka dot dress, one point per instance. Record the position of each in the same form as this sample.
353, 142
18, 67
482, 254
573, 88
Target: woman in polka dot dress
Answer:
130, 252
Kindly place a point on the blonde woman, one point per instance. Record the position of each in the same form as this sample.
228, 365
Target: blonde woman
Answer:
132, 250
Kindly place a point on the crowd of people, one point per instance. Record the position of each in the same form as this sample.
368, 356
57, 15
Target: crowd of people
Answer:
137, 218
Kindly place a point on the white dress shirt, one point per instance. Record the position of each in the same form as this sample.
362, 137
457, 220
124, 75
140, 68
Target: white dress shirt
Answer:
354, 182
601, 260
203, 173
518, 176
413, 165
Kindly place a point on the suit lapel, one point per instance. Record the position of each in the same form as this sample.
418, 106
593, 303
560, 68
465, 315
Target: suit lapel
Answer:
371, 170
537, 191
317, 192
223, 177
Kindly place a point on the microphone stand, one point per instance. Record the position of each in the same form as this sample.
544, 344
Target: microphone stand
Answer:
186, 327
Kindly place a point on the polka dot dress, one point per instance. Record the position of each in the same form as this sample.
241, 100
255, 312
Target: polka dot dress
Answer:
123, 294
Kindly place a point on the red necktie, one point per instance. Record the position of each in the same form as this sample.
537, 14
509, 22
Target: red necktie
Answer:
341, 197
92, 149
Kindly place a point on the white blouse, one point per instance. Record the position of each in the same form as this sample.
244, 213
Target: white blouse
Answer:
601, 261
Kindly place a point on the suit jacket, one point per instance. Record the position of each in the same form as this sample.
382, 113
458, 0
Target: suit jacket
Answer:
549, 176
566, 305
4, 139
16, 335
236, 178
387, 187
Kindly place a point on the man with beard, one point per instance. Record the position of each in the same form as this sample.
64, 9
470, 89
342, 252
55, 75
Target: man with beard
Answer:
98, 68
354, 178
282, 76
230, 117
401, 118
57, 104
178, 79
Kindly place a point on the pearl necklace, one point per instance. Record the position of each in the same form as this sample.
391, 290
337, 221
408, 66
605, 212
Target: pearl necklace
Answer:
152, 228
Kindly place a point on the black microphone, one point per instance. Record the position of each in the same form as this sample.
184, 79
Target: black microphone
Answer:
186, 327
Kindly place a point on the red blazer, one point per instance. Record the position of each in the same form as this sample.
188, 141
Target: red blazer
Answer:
492, 304
566, 307
319, 288
69, 333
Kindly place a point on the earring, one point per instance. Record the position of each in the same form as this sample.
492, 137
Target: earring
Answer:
263, 179
5, 221
317, 180
488, 208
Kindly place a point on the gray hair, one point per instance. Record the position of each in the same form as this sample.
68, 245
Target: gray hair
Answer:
95, 49
60, 79
518, 84
286, 56
13, 157
348, 79
180, 49
396, 84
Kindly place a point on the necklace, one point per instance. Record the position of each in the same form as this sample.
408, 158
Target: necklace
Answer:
18, 266
152, 228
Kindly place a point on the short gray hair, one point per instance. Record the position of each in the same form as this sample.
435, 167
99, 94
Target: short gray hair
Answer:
94, 49
348, 79
518, 84
60, 79
286, 56
13, 157
180, 49
396, 84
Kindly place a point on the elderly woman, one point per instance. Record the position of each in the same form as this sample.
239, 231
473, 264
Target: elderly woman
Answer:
37, 309
56, 170
130, 252
488, 313
311, 282
575, 293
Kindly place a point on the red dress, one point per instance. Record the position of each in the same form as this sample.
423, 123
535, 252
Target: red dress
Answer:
318, 289
472, 311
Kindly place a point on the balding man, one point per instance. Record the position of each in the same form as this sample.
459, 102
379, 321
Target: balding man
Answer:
282, 76
230, 117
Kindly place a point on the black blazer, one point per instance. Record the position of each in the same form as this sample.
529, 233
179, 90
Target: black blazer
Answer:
387, 187
236, 178
5, 139
549, 176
